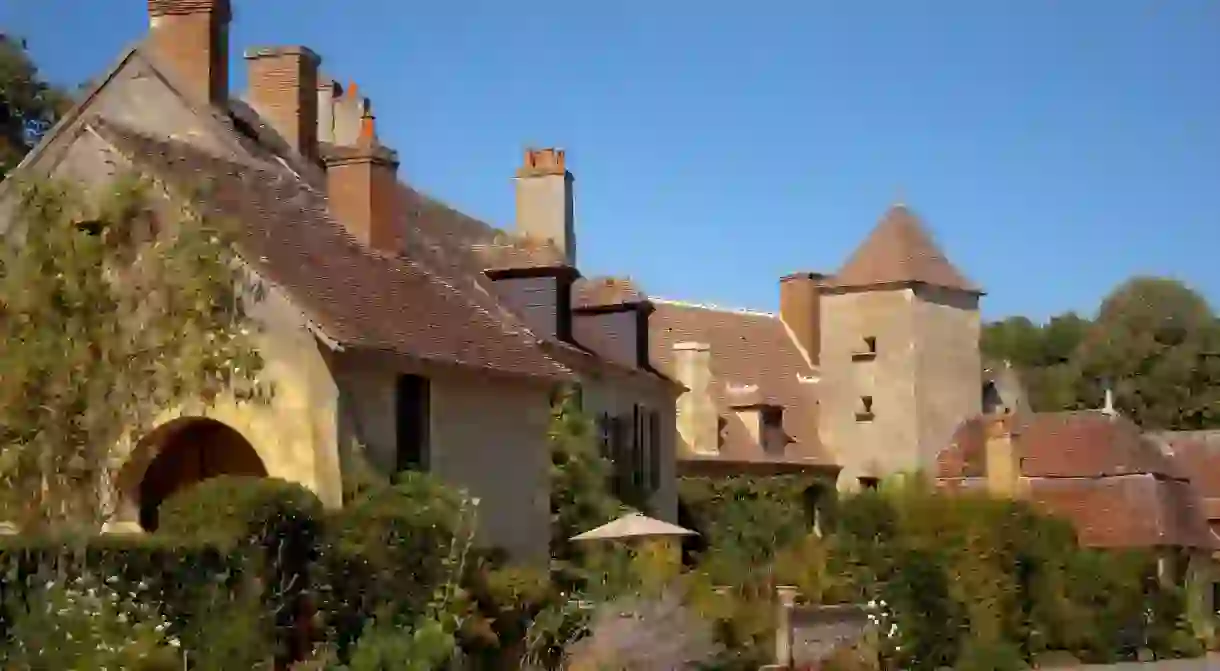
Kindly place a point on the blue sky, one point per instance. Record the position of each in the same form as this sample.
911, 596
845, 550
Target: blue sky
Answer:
1054, 148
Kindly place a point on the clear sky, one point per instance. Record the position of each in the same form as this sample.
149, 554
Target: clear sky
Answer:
1054, 147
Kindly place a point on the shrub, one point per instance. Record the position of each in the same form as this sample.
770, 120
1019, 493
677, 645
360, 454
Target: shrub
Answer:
274, 525
132, 576
389, 554
241, 509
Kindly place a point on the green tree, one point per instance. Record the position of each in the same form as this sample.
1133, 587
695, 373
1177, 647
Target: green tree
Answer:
1156, 343
581, 493
24, 97
112, 310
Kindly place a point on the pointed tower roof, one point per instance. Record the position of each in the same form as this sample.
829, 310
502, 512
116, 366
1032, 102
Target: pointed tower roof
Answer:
900, 251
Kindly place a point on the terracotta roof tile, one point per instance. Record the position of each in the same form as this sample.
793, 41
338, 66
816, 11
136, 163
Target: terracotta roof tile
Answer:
1119, 487
1198, 453
363, 299
899, 250
748, 349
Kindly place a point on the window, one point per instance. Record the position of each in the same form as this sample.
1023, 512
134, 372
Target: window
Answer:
412, 413
864, 413
869, 482
92, 227
867, 351
632, 443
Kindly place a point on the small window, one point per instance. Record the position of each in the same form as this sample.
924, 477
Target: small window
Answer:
869, 482
864, 413
867, 350
413, 414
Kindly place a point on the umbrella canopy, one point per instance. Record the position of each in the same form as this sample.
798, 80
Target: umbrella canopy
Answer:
633, 525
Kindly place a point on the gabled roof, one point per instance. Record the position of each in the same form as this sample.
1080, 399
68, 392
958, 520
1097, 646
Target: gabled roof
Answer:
361, 298
748, 350
900, 251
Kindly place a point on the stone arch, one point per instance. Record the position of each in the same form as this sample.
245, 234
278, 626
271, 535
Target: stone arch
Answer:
178, 454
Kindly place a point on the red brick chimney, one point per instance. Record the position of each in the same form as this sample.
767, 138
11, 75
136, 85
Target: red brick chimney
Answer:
362, 187
192, 37
283, 88
800, 308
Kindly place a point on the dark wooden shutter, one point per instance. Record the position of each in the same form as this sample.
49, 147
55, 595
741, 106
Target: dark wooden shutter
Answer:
654, 450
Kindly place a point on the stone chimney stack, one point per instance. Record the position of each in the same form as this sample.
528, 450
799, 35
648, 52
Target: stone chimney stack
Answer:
362, 189
192, 38
800, 308
698, 420
284, 90
544, 201
1001, 457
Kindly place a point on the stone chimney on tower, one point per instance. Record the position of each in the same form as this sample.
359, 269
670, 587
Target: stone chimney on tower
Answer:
192, 38
800, 309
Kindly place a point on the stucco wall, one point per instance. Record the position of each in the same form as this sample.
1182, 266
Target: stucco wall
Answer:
615, 392
487, 435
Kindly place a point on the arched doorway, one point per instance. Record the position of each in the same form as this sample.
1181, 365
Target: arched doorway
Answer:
188, 451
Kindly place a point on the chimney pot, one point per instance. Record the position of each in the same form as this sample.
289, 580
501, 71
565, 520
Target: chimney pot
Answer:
284, 89
191, 37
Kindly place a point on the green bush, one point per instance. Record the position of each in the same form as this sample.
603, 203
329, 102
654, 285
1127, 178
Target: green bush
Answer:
135, 576
275, 526
390, 553
243, 509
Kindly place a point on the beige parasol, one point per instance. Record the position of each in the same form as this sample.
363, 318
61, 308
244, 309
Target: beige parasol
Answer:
633, 525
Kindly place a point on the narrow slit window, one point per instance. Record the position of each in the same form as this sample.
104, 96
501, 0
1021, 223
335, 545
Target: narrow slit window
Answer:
867, 350
864, 413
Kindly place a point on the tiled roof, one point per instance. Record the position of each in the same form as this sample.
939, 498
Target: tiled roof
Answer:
1119, 487
1080, 444
748, 349
899, 250
402, 305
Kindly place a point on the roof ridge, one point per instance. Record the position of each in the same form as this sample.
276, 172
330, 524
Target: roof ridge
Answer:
716, 308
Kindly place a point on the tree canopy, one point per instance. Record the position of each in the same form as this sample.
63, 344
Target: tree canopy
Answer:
27, 102
1154, 342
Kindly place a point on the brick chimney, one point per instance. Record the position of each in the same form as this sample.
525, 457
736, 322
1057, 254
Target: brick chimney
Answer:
800, 309
192, 37
544, 201
283, 88
362, 188
698, 421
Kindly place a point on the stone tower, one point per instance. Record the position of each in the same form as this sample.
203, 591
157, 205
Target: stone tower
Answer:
900, 363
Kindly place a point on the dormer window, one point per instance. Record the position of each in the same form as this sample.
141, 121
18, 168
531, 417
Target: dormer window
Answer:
867, 350
864, 411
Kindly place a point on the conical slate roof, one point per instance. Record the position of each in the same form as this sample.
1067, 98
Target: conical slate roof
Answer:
900, 251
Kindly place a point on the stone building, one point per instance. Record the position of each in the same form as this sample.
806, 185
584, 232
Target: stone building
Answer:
391, 321
861, 374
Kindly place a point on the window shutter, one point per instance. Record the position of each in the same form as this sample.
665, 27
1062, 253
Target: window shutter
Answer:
654, 450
